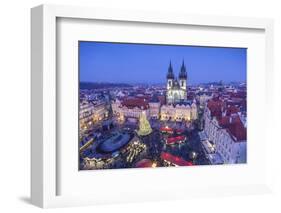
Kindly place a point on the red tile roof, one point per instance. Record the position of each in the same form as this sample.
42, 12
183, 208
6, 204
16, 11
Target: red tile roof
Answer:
175, 159
166, 129
144, 163
231, 110
234, 126
215, 107
238, 130
224, 121
136, 102
172, 140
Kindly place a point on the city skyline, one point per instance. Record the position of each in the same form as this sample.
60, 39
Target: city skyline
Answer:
146, 63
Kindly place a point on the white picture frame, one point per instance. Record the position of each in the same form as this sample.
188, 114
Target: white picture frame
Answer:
44, 154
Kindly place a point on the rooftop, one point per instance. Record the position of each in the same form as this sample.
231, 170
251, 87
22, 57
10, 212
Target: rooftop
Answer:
175, 159
175, 139
131, 103
234, 126
228, 118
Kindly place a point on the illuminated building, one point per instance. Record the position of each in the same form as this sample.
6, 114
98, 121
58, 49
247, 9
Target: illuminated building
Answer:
130, 108
179, 112
86, 115
176, 88
154, 108
100, 112
90, 113
177, 108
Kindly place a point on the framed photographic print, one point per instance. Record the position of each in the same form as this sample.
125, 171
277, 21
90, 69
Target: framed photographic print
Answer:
143, 114
149, 106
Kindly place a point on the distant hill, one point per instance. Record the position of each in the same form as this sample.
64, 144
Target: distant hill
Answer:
91, 85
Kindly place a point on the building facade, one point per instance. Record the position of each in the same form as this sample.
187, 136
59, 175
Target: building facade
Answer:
130, 108
225, 132
176, 87
86, 114
179, 112
90, 113
154, 110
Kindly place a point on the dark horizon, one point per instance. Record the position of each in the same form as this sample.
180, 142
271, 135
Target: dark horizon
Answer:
106, 62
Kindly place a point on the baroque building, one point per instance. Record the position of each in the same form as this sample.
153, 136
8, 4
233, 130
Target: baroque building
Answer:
176, 87
179, 112
130, 108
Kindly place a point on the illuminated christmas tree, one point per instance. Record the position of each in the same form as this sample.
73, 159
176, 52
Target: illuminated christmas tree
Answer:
144, 125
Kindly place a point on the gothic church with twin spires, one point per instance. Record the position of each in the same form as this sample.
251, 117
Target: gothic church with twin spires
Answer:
176, 87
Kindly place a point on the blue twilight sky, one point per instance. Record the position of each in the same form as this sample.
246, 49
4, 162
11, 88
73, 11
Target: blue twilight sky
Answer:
146, 63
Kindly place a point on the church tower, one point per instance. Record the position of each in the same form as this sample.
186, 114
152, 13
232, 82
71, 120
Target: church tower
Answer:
170, 77
176, 87
183, 77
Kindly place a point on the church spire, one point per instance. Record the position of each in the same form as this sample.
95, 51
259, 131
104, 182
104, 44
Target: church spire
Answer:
183, 73
170, 74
